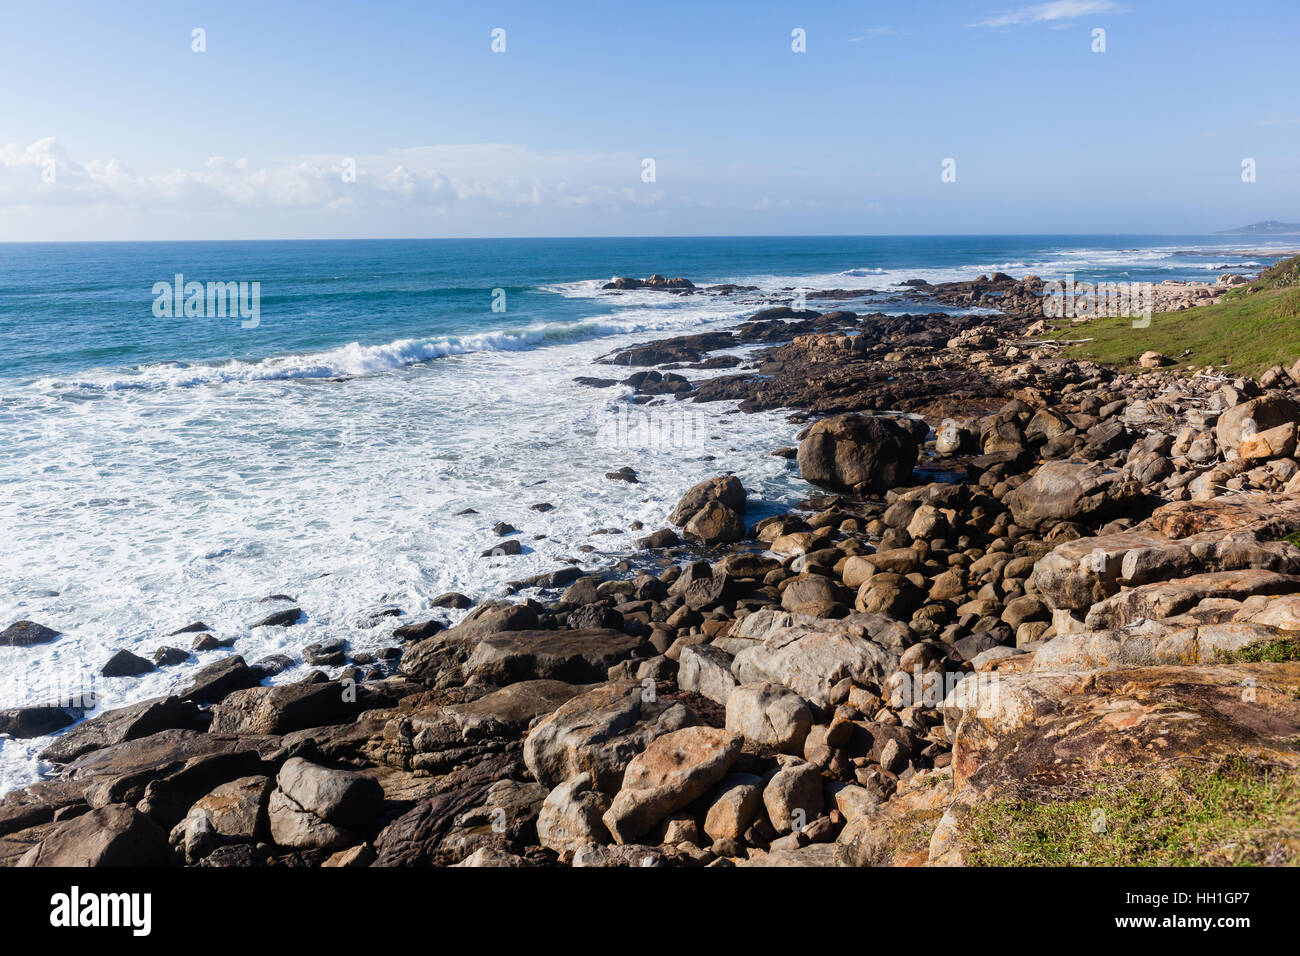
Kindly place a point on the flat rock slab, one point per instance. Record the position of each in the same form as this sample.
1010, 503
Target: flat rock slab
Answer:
583, 656
1150, 646
290, 707
1270, 516
123, 724
813, 855
811, 659
1011, 729
1166, 599
503, 713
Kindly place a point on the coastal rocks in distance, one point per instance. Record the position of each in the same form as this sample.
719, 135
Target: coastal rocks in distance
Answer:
663, 538
452, 599
658, 383
711, 511
861, 453
656, 282
26, 633
168, 656
504, 548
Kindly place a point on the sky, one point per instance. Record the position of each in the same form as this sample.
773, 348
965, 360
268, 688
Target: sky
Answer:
399, 119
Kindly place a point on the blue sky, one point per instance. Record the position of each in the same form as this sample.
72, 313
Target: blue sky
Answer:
146, 139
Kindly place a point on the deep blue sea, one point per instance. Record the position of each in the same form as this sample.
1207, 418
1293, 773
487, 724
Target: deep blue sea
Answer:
157, 469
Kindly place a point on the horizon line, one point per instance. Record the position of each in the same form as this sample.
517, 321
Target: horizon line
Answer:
809, 235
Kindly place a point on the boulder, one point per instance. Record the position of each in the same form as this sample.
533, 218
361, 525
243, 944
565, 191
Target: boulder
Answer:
338, 796
810, 656
26, 722
213, 682
711, 511
1070, 491
109, 836
706, 670
861, 453
671, 772
770, 717
734, 805
1252, 417
288, 707
27, 633
793, 796
571, 816
126, 664
294, 828
237, 810
599, 732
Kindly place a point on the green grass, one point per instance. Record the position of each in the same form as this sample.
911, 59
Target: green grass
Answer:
1275, 651
1280, 275
1253, 328
1237, 814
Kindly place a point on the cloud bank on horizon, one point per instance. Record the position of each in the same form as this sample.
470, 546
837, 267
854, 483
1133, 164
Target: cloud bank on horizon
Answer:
770, 122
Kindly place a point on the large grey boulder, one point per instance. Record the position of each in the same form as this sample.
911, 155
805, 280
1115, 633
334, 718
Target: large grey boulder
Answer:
339, 796
571, 816
770, 717
861, 453
811, 656
706, 670
599, 732
1071, 491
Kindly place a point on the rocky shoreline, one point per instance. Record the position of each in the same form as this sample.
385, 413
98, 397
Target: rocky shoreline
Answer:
1021, 572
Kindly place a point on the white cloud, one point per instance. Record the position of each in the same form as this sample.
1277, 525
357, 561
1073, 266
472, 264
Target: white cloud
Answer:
1046, 12
488, 177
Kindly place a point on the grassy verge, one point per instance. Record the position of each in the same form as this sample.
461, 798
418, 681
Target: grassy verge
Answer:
1233, 815
1265, 652
1244, 335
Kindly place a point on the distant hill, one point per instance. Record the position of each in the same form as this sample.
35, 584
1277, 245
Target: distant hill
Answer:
1269, 227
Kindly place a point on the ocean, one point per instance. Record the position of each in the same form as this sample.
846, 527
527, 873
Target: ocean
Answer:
158, 468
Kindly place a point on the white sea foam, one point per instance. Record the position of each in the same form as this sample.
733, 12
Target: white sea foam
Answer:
137, 511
